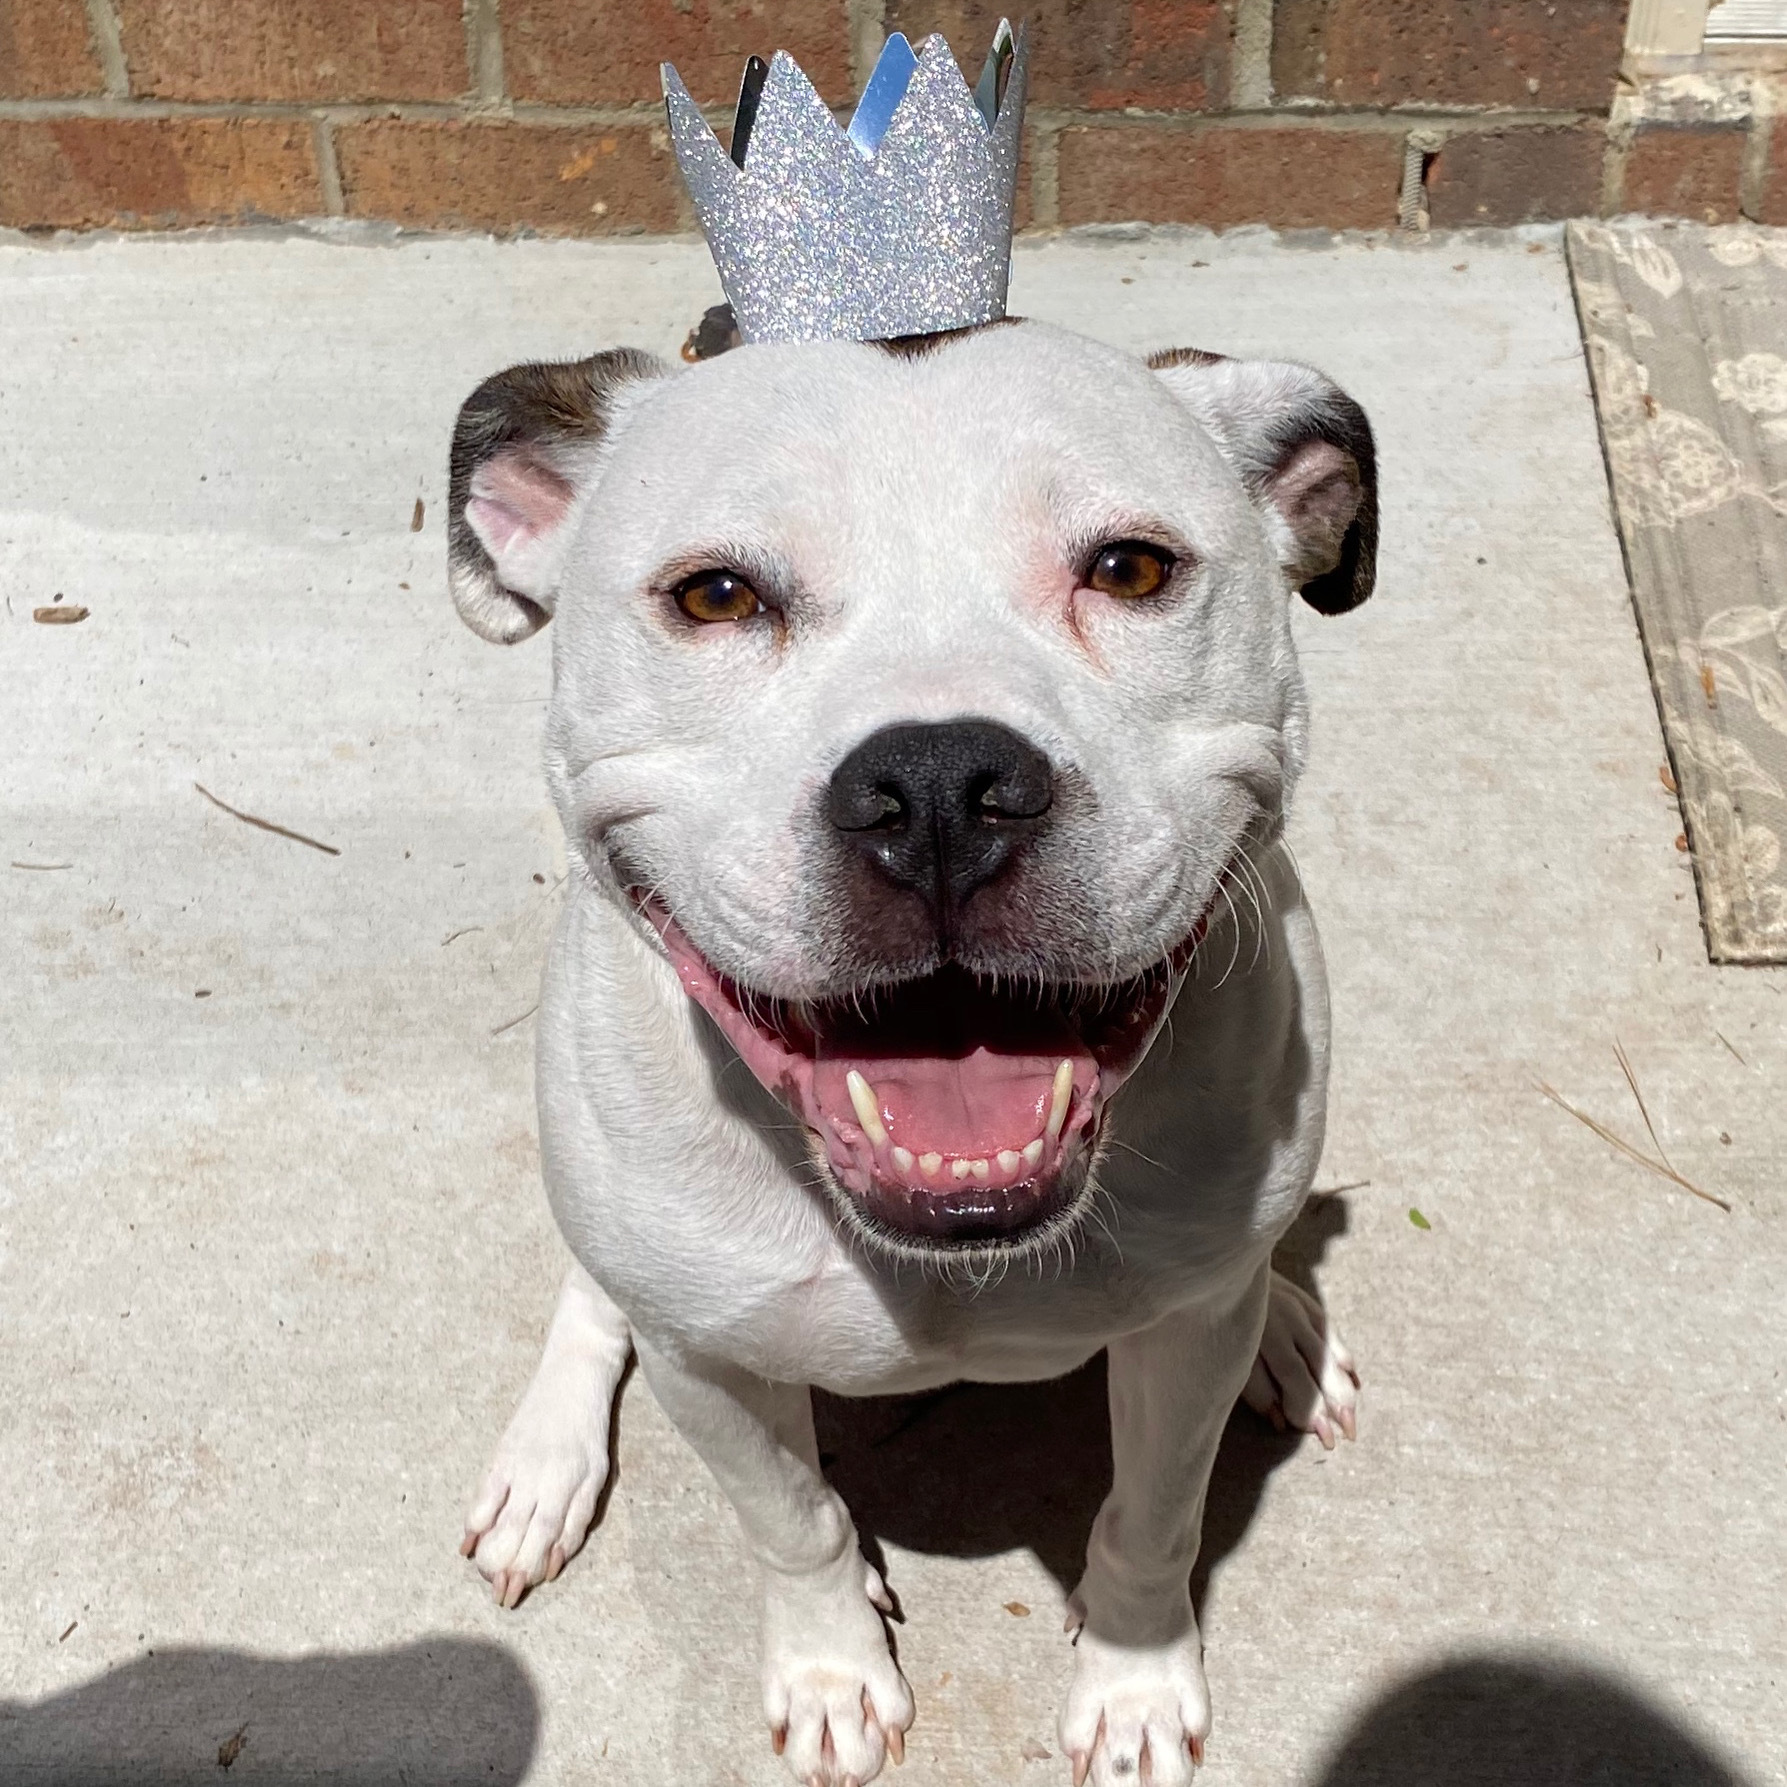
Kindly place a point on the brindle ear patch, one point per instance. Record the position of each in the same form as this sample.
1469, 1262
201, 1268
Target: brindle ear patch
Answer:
1302, 444
1335, 423
1183, 356
508, 491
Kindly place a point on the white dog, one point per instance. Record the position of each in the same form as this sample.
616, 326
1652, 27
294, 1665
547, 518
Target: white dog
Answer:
933, 997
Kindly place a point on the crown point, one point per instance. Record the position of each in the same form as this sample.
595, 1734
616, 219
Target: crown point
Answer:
989, 90
706, 166
750, 94
894, 69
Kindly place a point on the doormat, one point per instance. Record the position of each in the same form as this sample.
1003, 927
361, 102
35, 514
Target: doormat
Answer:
1686, 333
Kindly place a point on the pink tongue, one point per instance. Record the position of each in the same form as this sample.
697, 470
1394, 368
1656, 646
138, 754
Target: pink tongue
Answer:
969, 1105
987, 1088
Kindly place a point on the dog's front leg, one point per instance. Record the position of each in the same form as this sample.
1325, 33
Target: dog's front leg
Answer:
836, 1701
1138, 1708
540, 1493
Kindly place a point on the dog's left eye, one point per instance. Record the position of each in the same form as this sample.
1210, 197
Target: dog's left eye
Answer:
718, 596
1129, 569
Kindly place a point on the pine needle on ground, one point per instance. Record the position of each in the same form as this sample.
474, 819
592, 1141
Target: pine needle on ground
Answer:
1662, 1166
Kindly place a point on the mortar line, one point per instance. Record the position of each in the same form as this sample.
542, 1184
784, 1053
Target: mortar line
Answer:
720, 113
866, 21
1753, 171
1045, 174
338, 112
484, 50
328, 167
1621, 121
1613, 176
1250, 89
108, 40
1365, 119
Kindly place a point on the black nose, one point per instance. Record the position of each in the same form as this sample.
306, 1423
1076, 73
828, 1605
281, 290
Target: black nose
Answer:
941, 809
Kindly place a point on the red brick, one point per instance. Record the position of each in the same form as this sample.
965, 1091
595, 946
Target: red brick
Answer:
46, 51
1555, 54
1168, 55
559, 180
295, 49
1223, 175
1686, 170
606, 52
1521, 175
155, 173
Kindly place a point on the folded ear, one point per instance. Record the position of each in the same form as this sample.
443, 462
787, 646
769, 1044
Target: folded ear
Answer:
1304, 448
527, 446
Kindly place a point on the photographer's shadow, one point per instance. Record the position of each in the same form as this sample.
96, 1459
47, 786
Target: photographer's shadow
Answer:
443, 1712
1499, 1721
972, 1470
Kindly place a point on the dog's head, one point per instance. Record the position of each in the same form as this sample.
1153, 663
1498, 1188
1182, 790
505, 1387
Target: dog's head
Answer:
919, 697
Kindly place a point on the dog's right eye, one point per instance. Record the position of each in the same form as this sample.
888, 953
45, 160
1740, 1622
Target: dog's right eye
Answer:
717, 596
1129, 569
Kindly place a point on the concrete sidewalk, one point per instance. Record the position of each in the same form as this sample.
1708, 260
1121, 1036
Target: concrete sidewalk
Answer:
275, 1262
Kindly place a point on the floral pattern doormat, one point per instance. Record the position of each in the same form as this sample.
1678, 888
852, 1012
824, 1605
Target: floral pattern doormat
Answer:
1686, 331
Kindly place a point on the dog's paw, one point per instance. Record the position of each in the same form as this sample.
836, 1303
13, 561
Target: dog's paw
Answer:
1136, 1714
1304, 1376
837, 1704
540, 1494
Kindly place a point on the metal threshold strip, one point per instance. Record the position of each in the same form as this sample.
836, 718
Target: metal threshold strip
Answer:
1744, 21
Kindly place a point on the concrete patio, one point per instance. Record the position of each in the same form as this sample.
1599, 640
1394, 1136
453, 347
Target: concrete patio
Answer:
274, 1258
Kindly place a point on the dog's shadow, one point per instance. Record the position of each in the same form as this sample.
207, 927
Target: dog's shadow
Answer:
977, 1469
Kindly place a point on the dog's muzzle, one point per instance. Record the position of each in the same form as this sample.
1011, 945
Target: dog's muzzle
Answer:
949, 1109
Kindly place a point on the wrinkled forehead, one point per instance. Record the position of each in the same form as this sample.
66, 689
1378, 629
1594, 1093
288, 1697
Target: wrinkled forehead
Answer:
977, 430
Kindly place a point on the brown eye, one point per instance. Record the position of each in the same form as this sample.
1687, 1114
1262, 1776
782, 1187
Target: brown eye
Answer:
718, 596
1129, 569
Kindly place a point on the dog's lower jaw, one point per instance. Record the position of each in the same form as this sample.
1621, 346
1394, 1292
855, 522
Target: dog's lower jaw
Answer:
1051, 1232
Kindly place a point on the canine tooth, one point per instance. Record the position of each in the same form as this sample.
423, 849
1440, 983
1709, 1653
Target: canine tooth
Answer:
868, 1113
1063, 1091
930, 1164
959, 1168
902, 1158
1010, 1160
1033, 1152
981, 1169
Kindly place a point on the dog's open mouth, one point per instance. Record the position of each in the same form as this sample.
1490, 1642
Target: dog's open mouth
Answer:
952, 1113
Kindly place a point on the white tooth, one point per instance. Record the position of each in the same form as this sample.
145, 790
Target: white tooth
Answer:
1033, 1152
1058, 1102
981, 1169
930, 1164
868, 1112
959, 1168
902, 1158
1009, 1160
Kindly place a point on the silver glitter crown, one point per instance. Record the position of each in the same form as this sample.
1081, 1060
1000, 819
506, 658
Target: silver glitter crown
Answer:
898, 226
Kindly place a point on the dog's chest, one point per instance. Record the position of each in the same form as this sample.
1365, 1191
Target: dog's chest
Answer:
863, 1331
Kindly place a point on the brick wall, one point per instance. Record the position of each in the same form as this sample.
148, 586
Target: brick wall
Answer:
544, 115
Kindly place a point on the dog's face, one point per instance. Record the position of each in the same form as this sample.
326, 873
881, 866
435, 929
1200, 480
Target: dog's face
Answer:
920, 698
